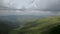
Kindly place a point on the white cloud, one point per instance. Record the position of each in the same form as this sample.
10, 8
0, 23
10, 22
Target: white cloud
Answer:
17, 3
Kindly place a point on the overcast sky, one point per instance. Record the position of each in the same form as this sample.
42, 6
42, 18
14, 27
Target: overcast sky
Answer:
47, 7
33, 4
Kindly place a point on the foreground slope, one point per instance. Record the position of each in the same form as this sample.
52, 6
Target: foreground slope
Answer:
40, 26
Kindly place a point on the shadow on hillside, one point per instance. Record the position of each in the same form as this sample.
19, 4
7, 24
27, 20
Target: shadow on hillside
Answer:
53, 30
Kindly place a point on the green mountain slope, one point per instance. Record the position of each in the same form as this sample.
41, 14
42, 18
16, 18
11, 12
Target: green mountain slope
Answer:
40, 26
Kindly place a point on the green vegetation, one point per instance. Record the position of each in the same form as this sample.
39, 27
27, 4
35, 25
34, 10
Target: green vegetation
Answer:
47, 25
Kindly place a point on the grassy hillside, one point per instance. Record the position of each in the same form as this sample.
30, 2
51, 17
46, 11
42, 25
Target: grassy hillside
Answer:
47, 25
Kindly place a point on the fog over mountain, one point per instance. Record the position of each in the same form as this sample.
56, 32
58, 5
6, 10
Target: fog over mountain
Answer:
18, 13
28, 12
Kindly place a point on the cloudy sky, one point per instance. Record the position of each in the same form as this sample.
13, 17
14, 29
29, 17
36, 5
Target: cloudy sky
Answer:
42, 7
33, 4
